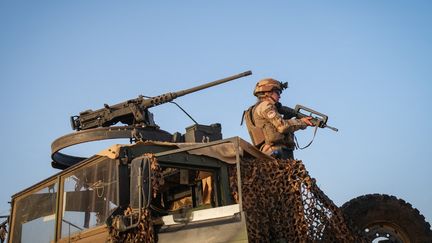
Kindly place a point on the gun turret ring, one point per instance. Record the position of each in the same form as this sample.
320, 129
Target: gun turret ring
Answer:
63, 161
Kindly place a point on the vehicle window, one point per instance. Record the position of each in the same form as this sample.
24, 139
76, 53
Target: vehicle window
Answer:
90, 195
35, 216
185, 189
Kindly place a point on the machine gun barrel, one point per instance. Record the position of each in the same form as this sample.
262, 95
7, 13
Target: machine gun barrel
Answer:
147, 103
135, 111
214, 83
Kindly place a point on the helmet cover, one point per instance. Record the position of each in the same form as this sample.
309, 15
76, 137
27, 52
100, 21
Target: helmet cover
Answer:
268, 85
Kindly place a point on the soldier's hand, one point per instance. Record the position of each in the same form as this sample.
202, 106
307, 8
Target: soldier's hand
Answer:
307, 120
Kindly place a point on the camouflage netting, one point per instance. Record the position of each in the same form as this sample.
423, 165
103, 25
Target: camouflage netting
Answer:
144, 232
284, 204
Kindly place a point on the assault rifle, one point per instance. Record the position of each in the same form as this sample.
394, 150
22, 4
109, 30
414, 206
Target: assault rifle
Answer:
318, 119
135, 111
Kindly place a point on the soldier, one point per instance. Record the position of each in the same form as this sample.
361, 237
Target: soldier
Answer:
269, 131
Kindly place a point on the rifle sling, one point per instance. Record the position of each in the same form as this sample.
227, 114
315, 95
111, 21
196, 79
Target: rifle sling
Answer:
297, 143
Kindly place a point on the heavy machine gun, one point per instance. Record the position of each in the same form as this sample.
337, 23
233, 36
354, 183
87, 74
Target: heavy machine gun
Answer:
135, 111
96, 125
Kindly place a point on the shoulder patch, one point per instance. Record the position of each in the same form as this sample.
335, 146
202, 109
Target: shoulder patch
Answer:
271, 114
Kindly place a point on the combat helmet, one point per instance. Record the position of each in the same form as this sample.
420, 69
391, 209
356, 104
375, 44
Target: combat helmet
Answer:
267, 85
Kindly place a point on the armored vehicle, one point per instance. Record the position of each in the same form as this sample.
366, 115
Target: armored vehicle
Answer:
191, 187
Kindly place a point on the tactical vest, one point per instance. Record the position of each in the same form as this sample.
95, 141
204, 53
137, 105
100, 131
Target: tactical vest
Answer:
256, 133
263, 132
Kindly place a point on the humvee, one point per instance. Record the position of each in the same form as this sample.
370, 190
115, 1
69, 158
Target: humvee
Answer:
188, 188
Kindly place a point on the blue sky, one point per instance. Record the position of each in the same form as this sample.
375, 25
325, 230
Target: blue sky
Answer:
367, 64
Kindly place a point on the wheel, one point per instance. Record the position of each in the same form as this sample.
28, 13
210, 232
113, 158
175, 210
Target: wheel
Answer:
388, 219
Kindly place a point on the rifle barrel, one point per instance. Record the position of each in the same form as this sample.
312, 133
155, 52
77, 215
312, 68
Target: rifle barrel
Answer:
332, 128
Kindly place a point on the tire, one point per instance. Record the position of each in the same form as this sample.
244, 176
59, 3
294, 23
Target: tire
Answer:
383, 217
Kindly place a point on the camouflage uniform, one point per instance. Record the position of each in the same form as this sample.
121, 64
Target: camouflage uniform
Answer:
269, 132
